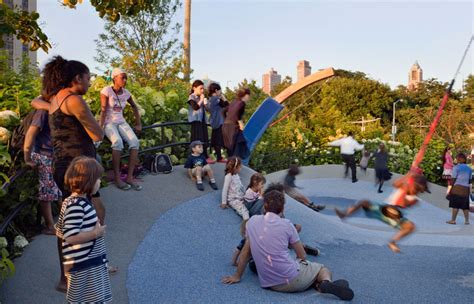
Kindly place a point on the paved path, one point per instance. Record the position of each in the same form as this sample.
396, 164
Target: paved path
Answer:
172, 244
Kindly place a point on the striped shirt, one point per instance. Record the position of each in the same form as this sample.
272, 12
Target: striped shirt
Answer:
78, 215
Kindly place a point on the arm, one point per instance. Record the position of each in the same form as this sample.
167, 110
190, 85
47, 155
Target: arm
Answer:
243, 261
225, 189
357, 146
78, 107
87, 236
103, 109
235, 257
299, 250
40, 104
335, 143
29, 143
138, 122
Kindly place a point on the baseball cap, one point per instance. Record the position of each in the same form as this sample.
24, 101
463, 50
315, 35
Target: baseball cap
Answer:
195, 143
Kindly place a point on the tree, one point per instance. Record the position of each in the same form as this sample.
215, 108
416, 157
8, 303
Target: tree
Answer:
145, 45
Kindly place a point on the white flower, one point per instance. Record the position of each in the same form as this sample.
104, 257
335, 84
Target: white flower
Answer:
364, 140
3, 242
4, 135
20, 242
296, 160
313, 149
7, 114
183, 111
392, 150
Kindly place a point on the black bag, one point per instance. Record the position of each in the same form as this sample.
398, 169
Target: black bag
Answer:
19, 133
158, 163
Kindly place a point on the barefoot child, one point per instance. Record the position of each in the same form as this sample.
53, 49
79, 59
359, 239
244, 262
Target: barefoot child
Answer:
290, 189
233, 190
198, 167
82, 235
407, 188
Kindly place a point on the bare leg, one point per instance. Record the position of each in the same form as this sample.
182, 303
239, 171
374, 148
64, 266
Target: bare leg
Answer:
116, 166
453, 216
199, 174
132, 162
48, 217
466, 216
352, 209
99, 209
209, 172
62, 284
323, 275
406, 228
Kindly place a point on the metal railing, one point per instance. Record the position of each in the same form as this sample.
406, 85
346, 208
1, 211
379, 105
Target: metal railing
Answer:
12, 214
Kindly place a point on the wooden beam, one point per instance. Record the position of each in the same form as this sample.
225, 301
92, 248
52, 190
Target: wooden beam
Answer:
313, 78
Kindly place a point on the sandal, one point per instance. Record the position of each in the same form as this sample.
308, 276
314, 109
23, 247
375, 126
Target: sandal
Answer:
112, 269
124, 187
451, 222
135, 187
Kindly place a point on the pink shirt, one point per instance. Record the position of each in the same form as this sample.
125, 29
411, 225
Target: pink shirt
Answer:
448, 161
115, 104
269, 236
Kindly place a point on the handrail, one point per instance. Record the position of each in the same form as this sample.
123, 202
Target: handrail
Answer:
19, 207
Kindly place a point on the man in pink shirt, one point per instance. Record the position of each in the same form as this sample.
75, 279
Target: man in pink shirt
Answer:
268, 238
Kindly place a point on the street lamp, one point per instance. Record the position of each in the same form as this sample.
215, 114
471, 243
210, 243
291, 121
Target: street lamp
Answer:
394, 127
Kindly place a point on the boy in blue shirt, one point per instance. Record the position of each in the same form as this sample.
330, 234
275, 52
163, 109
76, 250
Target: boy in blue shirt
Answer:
198, 167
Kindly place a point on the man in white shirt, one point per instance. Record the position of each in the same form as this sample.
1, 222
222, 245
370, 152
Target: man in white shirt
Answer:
348, 147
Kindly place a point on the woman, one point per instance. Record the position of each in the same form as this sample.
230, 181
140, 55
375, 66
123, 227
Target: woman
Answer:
113, 100
447, 165
73, 127
233, 123
197, 116
215, 106
459, 192
381, 166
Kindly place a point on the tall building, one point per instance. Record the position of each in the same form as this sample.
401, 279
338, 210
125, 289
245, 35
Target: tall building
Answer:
415, 76
15, 49
303, 69
270, 80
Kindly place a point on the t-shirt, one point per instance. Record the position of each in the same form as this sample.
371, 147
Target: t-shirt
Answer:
251, 196
115, 104
269, 236
43, 144
215, 107
289, 181
195, 161
463, 175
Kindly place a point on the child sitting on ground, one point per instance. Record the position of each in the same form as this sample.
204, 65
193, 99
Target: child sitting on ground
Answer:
198, 167
83, 245
233, 190
253, 198
290, 189
403, 196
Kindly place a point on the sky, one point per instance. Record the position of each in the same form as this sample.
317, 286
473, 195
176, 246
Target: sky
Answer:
236, 39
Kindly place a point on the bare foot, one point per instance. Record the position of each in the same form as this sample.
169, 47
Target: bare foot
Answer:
393, 247
112, 269
61, 286
451, 222
340, 213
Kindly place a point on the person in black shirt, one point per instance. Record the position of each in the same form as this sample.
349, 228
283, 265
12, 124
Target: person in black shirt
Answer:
198, 167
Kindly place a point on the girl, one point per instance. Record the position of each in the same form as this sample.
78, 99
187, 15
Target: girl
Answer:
233, 123
253, 198
113, 100
290, 189
364, 161
215, 106
447, 165
233, 190
459, 192
197, 116
82, 235
381, 168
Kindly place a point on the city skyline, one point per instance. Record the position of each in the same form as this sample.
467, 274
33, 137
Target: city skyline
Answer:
382, 40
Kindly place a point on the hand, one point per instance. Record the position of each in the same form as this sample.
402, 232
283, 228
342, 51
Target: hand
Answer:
99, 230
223, 205
138, 128
230, 279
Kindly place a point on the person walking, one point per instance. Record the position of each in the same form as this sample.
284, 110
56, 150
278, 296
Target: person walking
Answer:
460, 191
381, 166
348, 147
233, 124
447, 165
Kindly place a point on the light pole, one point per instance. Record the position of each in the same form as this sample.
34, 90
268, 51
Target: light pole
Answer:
394, 127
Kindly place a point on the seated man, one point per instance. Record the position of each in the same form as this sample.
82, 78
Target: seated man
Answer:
268, 238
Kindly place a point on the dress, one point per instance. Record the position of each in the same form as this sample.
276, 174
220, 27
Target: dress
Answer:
235, 112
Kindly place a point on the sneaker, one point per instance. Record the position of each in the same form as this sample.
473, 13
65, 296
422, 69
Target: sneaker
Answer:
200, 186
311, 250
213, 185
380, 191
316, 208
343, 293
342, 283
355, 180
210, 161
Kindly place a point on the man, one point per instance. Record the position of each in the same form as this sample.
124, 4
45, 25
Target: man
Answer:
268, 238
348, 147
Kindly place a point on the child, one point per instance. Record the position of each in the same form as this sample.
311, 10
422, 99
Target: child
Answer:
381, 167
364, 161
253, 198
290, 189
113, 100
403, 196
83, 244
215, 107
198, 167
233, 190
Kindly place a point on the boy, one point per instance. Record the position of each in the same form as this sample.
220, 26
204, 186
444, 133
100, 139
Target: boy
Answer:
197, 166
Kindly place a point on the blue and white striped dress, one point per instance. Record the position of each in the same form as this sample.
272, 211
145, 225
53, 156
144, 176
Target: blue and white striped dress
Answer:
85, 264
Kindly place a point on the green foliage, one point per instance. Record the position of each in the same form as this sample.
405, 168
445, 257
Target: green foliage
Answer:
7, 269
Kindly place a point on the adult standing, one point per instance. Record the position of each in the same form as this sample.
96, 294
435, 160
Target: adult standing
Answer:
460, 191
197, 116
447, 165
113, 100
268, 237
73, 127
348, 147
215, 106
233, 124
381, 166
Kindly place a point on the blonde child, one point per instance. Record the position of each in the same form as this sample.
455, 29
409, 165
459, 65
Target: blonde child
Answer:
233, 190
83, 245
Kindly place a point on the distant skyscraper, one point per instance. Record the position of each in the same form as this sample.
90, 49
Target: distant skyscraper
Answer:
303, 69
270, 80
415, 76
15, 49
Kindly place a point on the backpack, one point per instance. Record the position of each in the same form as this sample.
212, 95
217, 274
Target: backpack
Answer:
19, 133
158, 163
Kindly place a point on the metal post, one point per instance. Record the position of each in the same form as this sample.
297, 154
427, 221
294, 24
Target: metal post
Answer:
394, 127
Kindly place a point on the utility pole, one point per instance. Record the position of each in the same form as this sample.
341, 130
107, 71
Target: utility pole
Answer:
394, 126
187, 40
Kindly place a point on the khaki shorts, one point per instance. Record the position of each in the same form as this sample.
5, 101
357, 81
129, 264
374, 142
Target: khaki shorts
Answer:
205, 170
307, 273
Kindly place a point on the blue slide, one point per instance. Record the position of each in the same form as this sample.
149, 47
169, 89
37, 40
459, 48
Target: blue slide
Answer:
259, 122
